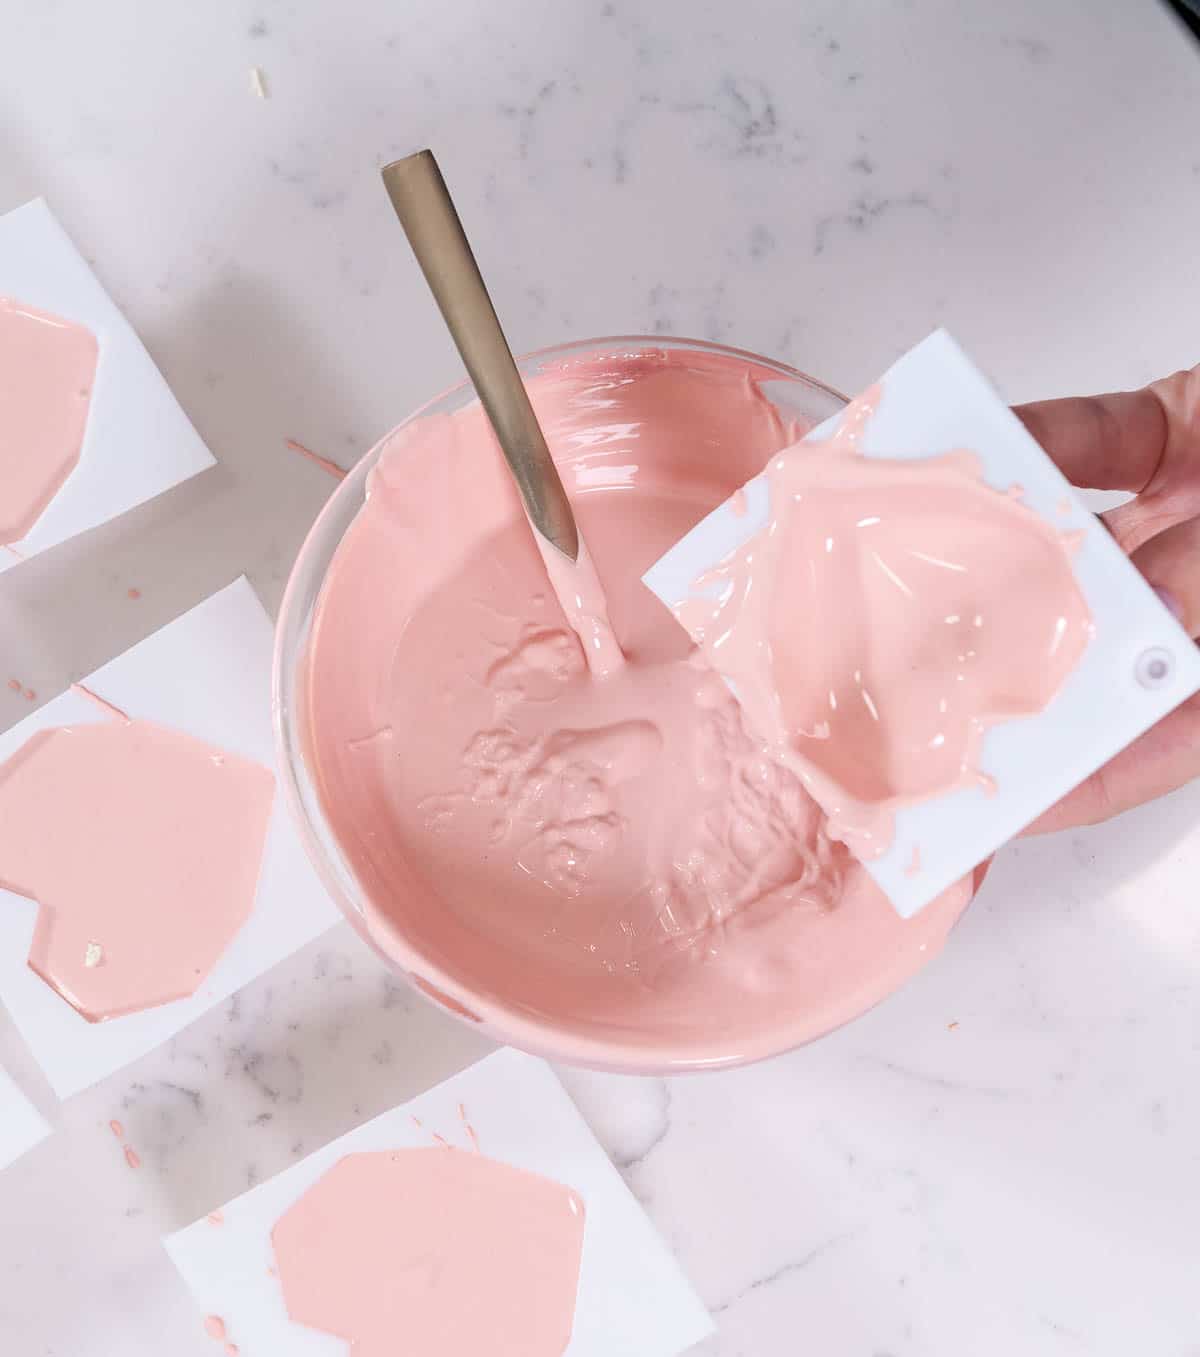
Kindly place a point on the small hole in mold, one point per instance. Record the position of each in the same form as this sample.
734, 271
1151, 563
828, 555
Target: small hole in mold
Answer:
1154, 667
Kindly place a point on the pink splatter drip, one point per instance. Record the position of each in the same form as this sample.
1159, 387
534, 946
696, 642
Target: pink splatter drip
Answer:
324, 462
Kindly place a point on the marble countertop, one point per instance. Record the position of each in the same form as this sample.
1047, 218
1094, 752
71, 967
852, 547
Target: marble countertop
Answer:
1002, 1158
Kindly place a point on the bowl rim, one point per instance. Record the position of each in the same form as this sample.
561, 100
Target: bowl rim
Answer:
498, 1020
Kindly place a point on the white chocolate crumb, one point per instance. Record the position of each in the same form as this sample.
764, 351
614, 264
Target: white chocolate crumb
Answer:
93, 955
258, 82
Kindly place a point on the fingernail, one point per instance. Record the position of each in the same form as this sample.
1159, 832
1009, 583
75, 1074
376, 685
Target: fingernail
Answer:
1170, 602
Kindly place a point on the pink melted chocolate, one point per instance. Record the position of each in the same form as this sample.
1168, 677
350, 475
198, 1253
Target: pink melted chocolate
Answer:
142, 847
580, 595
888, 614
618, 860
433, 1251
47, 366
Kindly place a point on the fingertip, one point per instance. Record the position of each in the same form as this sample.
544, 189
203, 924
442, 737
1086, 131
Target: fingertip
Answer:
1109, 442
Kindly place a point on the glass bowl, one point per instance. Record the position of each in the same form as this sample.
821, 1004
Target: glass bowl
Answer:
796, 396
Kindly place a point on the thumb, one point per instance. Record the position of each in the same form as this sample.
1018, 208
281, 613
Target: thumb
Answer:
1160, 761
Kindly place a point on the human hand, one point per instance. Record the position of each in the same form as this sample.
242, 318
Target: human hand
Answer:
1146, 441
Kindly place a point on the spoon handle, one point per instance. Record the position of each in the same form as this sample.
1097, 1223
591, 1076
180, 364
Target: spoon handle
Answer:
426, 211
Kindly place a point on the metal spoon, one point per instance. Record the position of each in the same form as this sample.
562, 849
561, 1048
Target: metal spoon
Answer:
426, 211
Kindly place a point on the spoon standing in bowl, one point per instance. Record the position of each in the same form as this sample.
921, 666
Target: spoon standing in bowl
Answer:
431, 223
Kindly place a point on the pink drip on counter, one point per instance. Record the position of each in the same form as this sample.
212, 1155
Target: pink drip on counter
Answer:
339, 473
47, 367
621, 857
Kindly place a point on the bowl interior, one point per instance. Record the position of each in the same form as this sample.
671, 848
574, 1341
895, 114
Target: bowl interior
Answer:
459, 977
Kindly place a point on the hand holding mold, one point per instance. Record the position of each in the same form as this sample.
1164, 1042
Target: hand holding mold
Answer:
923, 621
1146, 442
